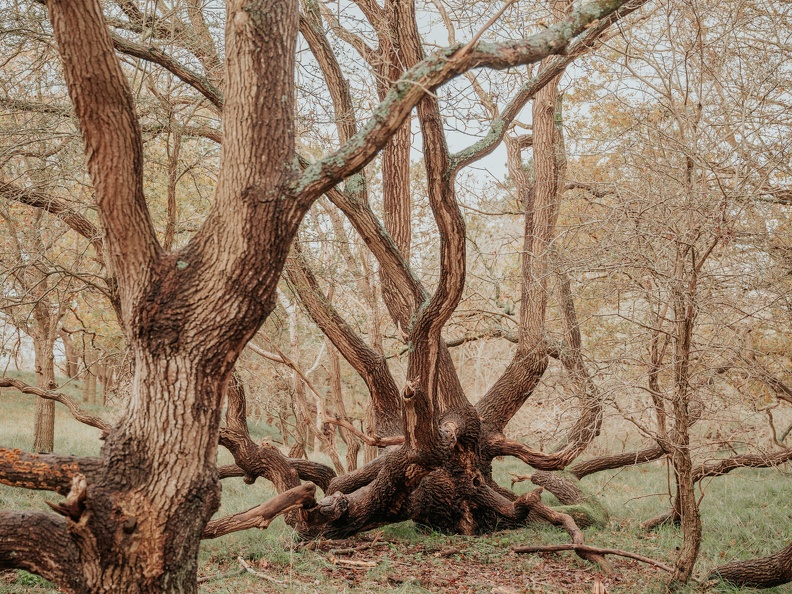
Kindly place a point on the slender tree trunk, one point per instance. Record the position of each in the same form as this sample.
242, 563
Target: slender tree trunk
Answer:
352, 444
44, 423
89, 383
685, 315
72, 358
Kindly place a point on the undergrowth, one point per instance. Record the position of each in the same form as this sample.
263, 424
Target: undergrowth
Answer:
745, 514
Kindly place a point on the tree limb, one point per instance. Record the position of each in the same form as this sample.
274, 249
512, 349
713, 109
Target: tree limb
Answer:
104, 107
60, 209
44, 472
261, 515
429, 74
40, 543
74, 409
583, 548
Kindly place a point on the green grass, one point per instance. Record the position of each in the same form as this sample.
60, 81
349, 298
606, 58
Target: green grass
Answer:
745, 514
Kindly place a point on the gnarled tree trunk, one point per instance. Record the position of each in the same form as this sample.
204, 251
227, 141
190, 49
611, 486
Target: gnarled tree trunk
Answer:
132, 521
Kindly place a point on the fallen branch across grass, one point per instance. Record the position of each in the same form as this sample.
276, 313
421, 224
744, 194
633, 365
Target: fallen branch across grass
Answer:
581, 548
221, 576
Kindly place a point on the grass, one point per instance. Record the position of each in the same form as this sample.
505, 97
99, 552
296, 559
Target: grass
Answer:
745, 514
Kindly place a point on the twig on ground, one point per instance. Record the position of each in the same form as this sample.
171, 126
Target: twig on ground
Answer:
246, 566
350, 562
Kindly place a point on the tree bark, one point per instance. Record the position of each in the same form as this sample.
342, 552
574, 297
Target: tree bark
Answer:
764, 572
44, 422
89, 381
70, 352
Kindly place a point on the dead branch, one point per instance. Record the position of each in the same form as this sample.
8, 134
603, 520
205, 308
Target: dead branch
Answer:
582, 548
576, 534
246, 566
46, 472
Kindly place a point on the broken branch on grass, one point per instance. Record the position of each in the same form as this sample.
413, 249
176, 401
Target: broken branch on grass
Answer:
350, 562
583, 548
220, 576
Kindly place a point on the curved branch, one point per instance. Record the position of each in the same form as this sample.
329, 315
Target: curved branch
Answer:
721, 467
554, 67
595, 465
372, 440
74, 409
371, 366
576, 534
156, 56
63, 211
499, 445
262, 515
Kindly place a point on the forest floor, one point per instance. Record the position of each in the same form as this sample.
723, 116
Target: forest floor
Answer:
745, 514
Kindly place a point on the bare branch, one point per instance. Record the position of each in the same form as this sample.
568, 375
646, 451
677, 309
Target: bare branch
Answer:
588, 467
372, 440
156, 56
74, 409
63, 211
721, 467
429, 74
262, 515
582, 548
554, 66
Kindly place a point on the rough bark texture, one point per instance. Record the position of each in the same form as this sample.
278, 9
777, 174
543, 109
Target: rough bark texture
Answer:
764, 572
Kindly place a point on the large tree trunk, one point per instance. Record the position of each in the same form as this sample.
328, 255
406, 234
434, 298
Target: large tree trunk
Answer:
145, 512
133, 521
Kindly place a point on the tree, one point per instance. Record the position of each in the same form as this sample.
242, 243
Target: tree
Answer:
132, 519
